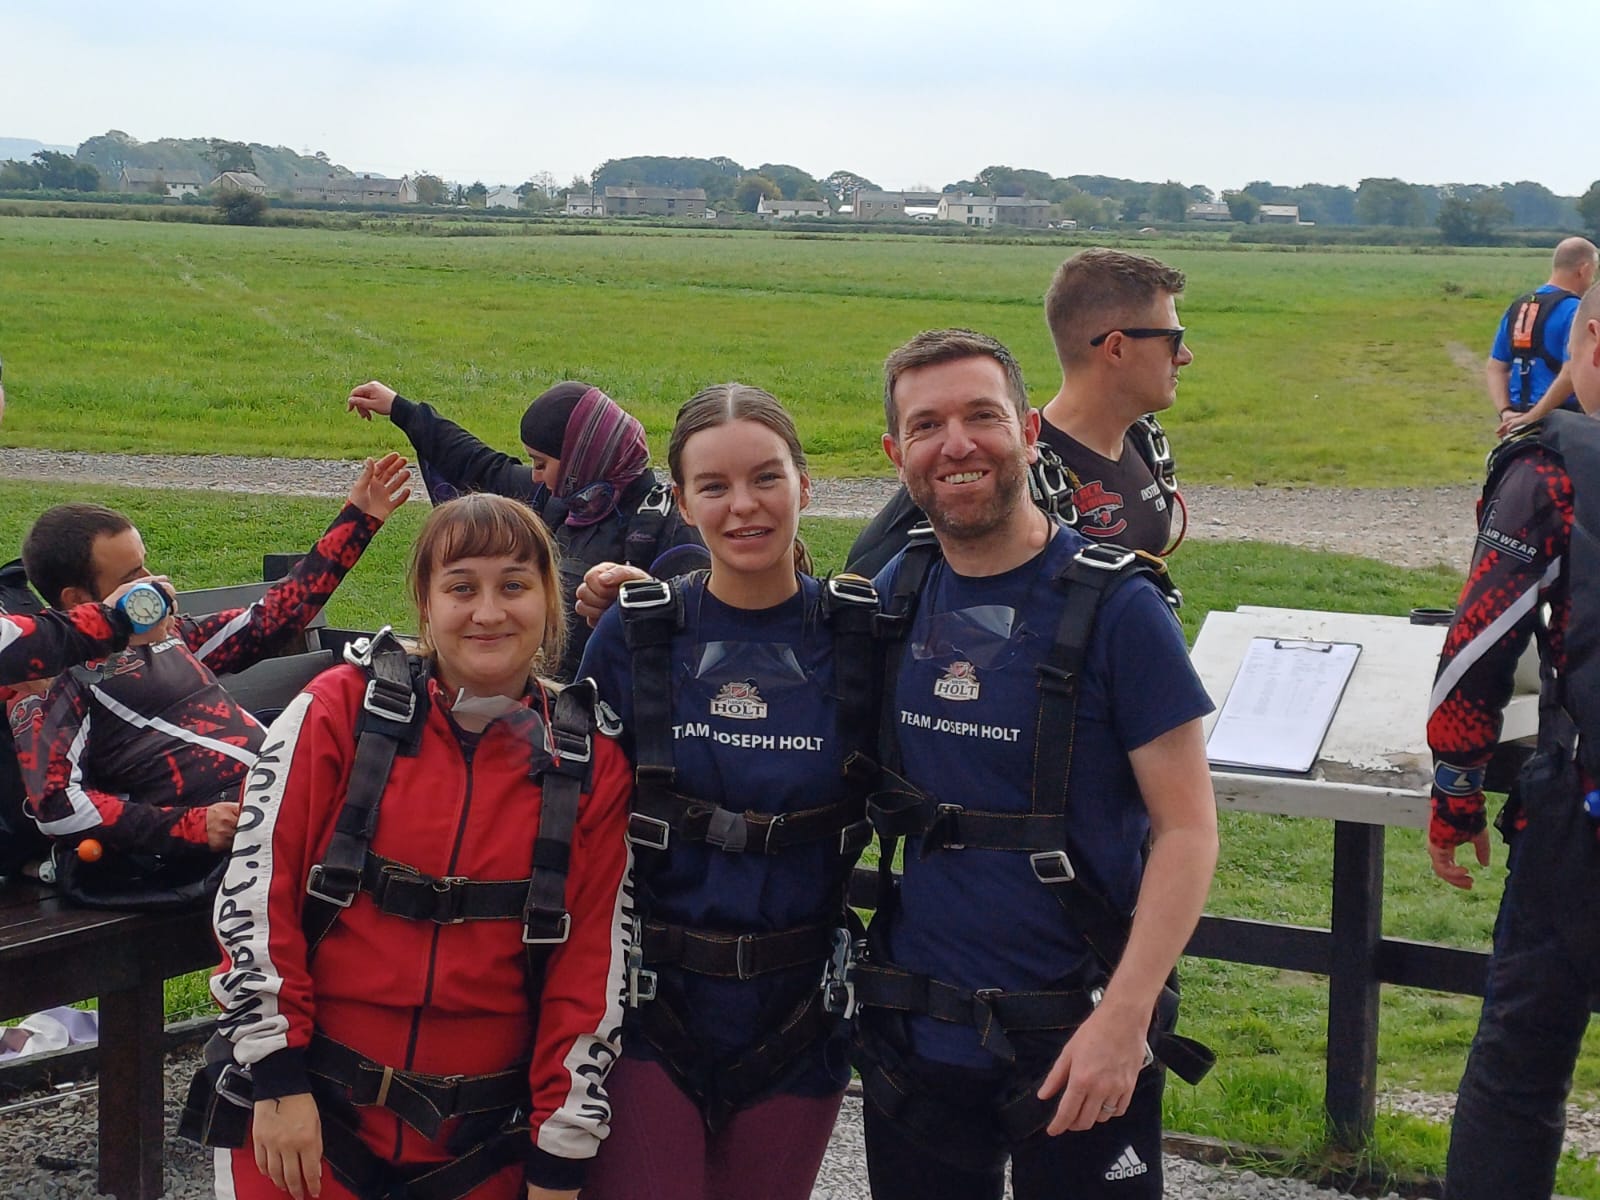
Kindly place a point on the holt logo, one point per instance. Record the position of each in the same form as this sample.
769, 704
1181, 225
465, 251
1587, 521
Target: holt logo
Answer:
960, 682
739, 700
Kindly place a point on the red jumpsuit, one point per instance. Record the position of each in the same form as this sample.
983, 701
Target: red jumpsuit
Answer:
415, 995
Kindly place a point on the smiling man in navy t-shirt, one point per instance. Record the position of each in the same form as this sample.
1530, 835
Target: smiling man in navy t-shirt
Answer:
975, 926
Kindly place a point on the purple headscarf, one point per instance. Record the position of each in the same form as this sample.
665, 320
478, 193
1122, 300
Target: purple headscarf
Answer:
604, 451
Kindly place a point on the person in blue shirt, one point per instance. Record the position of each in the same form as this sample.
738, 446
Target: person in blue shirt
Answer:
1530, 379
741, 693
977, 932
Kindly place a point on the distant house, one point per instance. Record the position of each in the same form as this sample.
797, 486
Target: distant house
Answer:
1207, 211
655, 202
503, 197
1021, 210
967, 210
785, 210
584, 204
160, 181
354, 189
239, 181
894, 206
1280, 214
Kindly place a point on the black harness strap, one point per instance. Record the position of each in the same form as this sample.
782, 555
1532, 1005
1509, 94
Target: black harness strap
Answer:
367, 1175
424, 1102
733, 955
641, 545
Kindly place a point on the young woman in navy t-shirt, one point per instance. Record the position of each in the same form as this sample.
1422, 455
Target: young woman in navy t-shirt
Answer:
712, 1098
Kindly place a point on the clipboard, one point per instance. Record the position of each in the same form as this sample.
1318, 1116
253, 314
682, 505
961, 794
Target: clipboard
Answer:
1281, 704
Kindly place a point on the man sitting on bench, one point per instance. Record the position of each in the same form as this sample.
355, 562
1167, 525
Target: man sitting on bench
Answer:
143, 753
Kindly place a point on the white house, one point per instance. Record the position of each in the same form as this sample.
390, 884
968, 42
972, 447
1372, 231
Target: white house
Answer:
584, 204
784, 210
239, 181
160, 181
503, 197
967, 210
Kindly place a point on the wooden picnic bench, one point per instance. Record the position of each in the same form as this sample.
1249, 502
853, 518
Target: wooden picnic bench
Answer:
54, 953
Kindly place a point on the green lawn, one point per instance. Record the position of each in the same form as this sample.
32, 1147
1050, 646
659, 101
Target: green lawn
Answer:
1349, 367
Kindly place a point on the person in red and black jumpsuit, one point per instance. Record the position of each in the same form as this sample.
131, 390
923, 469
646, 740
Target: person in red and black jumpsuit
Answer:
1510, 1116
413, 995
145, 751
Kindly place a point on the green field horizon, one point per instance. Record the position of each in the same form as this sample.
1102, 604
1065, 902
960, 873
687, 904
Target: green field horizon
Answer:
1350, 367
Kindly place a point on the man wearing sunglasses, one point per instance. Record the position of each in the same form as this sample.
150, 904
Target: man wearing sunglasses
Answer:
1114, 320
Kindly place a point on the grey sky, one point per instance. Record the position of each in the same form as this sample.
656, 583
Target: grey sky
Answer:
903, 91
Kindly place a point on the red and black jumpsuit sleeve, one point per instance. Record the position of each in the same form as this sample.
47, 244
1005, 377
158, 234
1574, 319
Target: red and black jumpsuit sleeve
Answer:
39, 645
1524, 530
238, 638
580, 1004
53, 735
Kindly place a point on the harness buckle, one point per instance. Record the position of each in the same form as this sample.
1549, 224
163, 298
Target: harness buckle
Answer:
551, 934
235, 1085
657, 500
1049, 482
1098, 994
1052, 867
383, 700
450, 886
838, 984
742, 956
948, 814
641, 983
729, 831
644, 594
565, 746
319, 885
853, 589
1102, 556
652, 833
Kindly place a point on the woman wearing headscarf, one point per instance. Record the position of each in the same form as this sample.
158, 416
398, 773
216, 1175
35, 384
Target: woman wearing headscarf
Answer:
588, 475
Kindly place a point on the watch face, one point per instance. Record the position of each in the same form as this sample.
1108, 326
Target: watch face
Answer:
145, 605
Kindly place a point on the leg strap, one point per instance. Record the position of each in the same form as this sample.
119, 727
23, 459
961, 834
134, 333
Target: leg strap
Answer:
372, 1178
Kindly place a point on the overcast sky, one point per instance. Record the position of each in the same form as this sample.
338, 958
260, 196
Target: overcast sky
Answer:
903, 91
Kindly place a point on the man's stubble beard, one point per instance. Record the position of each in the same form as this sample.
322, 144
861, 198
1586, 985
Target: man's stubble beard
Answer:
1011, 490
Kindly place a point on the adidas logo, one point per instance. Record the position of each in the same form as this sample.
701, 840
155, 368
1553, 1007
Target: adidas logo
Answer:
1128, 1165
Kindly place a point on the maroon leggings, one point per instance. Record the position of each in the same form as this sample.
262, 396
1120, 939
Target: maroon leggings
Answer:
660, 1149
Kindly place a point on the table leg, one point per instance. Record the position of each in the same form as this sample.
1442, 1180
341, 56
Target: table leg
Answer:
132, 1092
1353, 988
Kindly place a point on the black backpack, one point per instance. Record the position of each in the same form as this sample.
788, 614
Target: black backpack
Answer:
20, 839
1525, 324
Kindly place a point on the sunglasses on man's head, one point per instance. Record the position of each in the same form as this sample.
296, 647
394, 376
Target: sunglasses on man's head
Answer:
1175, 336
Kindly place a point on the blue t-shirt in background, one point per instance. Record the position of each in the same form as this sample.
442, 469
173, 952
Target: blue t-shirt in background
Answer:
1556, 332
966, 709
754, 727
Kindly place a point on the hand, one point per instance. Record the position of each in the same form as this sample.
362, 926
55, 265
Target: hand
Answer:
287, 1133
382, 487
222, 819
600, 586
1097, 1069
539, 1193
1444, 860
369, 398
1510, 420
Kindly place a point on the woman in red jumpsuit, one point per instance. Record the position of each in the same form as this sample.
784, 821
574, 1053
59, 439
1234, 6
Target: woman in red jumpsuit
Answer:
341, 1036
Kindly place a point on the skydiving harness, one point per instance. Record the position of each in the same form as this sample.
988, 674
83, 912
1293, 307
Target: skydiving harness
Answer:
641, 545
493, 1107
1525, 323
652, 614
902, 810
1053, 485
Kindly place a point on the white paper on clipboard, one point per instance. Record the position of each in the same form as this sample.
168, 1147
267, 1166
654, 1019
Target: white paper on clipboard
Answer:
1281, 704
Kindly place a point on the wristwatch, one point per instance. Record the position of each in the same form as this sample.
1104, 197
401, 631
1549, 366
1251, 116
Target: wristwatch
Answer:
144, 604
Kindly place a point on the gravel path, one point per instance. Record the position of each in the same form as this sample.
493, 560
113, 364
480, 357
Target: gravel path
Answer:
1411, 527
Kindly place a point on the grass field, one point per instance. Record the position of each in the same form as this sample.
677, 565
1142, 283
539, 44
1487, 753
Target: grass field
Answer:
1348, 367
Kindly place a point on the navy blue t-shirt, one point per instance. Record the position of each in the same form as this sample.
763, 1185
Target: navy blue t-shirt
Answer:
965, 709
753, 727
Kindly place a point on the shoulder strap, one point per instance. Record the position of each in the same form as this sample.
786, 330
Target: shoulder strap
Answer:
850, 609
1527, 318
641, 546
652, 615
393, 708
1156, 450
893, 625
546, 921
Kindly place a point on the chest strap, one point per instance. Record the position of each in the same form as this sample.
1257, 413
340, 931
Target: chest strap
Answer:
424, 1102
733, 955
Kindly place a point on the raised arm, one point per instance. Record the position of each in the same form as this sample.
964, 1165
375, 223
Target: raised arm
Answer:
444, 449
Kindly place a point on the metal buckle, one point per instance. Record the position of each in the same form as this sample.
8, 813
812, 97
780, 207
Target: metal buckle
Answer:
644, 594
950, 811
563, 931
379, 705
655, 826
641, 983
450, 885
1098, 994
574, 748
228, 1088
657, 500
358, 652
1052, 867
853, 589
1103, 557
838, 988
742, 949
314, 887
1048, 477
